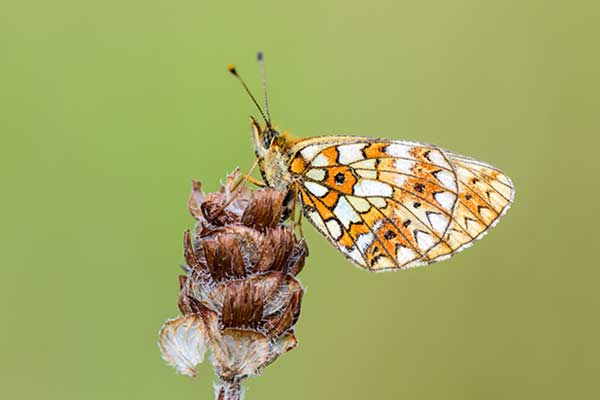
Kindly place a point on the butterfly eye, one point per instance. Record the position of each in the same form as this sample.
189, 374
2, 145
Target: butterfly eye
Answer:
268, 136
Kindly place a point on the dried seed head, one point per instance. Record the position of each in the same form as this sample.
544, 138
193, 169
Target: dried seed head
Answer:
240, 298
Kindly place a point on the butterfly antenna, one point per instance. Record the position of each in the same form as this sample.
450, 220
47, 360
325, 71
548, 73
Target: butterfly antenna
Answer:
263, 73
233, 72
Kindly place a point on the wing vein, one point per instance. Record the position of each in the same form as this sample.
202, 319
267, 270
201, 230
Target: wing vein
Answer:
403, 158
315, 199
388, 219
375, 237
481, 173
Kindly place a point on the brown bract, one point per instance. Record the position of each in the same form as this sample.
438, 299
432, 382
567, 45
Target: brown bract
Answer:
240, 297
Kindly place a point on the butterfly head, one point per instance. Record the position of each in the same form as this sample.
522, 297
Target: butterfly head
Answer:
263, 137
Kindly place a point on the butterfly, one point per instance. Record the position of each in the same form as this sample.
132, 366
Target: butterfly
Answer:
385, 204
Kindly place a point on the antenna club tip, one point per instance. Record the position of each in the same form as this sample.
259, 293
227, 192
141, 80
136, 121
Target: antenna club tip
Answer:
259, 56
231, 69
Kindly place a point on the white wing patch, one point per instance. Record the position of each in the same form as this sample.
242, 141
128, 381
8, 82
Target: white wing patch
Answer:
438, 221
424, 240
436, 157
403, 165
378, 202
334, 228
350, 153
372, 188
367, 173
316, 189
320, 161
365, 164
445, 199
447, 179
345, 213
316, 174
405, 255
309, 152
360, 204
316, 219
399, 150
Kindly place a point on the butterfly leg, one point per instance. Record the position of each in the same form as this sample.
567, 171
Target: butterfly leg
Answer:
300, 225
293, 214
247, 178
255, 181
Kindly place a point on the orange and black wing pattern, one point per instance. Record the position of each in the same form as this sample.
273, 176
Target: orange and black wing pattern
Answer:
390, 205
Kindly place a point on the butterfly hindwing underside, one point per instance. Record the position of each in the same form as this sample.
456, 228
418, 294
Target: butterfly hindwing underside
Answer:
390, 204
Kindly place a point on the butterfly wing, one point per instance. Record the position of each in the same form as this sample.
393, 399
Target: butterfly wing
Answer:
391, 204
485, 194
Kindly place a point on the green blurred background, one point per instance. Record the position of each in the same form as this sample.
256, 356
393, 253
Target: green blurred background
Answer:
108, 109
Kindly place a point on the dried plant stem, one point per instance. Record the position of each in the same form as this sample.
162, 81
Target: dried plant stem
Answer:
228, 390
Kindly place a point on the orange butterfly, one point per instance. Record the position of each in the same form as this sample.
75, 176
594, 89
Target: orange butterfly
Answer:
385, 204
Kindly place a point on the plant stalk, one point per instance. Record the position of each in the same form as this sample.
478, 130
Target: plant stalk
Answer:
228, 390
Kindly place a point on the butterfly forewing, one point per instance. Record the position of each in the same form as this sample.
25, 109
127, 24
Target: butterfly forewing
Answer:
393, 204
